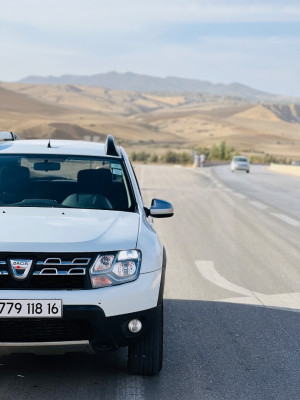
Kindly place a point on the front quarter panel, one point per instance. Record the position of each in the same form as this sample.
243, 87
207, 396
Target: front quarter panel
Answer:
150, 246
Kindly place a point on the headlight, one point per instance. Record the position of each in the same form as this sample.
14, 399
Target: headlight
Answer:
115, 268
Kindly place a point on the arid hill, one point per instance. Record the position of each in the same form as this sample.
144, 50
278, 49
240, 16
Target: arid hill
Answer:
149, 121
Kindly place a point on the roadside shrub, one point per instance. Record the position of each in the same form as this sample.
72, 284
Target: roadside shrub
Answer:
186, 158
171, 157
133, 156
154, 158
140, 156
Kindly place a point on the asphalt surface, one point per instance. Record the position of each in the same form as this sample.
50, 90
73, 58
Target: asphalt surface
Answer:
232, 298
276, 190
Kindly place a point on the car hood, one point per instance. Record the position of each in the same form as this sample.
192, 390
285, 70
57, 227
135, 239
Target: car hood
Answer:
66, 230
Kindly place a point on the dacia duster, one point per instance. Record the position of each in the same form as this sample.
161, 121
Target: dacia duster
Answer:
81, 267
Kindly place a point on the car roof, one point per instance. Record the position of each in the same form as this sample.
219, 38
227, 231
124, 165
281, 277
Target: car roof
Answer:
54, 146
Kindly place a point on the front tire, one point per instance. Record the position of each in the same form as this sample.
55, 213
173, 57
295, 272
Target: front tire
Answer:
145, 357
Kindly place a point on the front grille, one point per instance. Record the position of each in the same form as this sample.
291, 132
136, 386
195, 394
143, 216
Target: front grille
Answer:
44, 330
44, 282
48, 271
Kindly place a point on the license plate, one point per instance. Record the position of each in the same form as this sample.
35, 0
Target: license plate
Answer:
30, 308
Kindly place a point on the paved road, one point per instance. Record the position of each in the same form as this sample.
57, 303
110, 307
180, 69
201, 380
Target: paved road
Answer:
232, 301
279, 191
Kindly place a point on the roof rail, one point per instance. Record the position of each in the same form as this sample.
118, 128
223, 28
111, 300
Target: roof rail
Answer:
8, 136
110, 147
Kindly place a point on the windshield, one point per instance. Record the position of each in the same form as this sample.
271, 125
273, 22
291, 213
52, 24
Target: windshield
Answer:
64, 181
241, 159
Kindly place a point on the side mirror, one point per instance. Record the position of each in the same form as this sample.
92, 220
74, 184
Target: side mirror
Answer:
161, 209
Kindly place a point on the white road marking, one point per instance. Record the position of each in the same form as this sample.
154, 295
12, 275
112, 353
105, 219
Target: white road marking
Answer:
289, 301
288, 220
228, 190
208, 271
258, 204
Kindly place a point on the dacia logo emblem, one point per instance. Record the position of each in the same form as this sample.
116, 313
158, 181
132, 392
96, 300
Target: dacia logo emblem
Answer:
20, 268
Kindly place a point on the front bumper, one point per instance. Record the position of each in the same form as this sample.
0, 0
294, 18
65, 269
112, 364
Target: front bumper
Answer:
85, 325
95, 319
240, 167
141, 294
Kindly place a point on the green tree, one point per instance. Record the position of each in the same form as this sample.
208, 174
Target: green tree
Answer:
222, 150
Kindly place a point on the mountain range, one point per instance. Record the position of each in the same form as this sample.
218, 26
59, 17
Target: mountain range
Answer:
144, 83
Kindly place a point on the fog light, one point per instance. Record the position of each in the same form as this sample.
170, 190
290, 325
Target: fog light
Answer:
135, 326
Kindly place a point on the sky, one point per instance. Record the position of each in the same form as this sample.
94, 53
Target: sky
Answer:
254, 42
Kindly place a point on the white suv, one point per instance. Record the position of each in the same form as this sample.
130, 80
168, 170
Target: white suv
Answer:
81, 267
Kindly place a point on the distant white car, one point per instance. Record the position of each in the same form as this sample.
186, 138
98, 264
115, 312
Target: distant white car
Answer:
240, 163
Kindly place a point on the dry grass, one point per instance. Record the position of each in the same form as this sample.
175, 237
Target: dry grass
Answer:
150, 122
